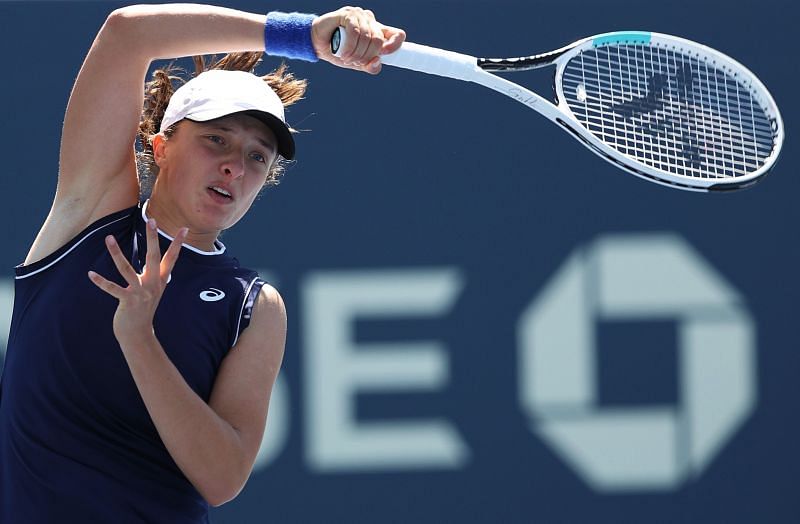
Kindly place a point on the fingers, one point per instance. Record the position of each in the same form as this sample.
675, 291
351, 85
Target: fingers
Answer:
171, 256
365, 39
109, 287
368, 37
162, 266
122, 264
153, 259
393, 38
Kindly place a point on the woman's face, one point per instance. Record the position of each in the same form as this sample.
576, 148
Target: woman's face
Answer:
210, 172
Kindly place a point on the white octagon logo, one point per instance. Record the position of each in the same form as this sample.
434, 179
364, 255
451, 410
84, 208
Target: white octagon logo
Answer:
636, 277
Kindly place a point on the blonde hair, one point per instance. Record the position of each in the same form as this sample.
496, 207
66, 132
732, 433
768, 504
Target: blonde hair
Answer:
159, 90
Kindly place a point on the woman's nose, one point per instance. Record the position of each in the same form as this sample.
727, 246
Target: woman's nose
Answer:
233, 167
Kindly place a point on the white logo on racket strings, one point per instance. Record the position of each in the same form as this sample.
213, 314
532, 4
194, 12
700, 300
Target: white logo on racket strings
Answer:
212, 295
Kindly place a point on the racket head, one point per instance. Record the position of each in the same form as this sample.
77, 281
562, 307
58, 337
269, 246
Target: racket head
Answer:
669, 110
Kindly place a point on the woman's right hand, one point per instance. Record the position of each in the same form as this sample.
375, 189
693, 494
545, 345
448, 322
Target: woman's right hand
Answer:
367, 39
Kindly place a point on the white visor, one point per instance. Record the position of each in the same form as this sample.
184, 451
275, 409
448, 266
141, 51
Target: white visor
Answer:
217, 93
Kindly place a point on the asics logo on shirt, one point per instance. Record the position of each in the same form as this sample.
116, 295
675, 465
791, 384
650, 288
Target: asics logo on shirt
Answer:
212, 295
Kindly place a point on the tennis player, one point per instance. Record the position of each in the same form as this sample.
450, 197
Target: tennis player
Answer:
142, 355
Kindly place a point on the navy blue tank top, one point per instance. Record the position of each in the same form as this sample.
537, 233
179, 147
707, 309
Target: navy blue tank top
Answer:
76, 441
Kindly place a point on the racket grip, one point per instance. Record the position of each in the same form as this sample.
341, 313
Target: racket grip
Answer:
421, 58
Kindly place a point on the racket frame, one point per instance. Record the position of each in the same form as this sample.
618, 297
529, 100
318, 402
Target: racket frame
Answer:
717, 59
483, 71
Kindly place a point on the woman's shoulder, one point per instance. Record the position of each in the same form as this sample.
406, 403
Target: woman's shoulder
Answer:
68, 218
269, 309
58, 238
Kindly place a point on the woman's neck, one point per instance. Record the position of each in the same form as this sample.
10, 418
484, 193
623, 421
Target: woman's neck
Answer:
169, 221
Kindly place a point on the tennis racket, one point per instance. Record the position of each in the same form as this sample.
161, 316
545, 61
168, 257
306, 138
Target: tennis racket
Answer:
661, 107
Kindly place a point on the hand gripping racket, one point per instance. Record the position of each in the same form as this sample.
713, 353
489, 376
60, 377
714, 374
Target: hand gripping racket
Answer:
663, 108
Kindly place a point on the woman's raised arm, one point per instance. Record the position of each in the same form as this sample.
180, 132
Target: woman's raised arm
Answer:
97, 168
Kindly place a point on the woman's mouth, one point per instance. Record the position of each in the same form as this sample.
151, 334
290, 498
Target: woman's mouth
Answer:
220, 194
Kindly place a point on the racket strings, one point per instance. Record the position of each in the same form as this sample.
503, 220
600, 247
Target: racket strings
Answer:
673, 112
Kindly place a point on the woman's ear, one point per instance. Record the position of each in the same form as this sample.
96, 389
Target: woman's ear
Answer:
159, 149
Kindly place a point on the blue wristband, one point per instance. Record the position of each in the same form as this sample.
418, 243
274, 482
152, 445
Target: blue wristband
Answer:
289, 35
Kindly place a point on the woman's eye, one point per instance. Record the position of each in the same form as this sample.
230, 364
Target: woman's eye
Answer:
258, 157
216, 139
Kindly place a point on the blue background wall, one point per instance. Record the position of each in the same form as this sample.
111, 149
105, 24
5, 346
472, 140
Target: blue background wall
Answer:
406, 182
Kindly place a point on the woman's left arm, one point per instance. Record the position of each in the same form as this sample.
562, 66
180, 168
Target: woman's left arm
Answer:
214, 444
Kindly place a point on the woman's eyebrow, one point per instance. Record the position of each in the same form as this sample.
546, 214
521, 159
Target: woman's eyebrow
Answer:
266, 143
269, 145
